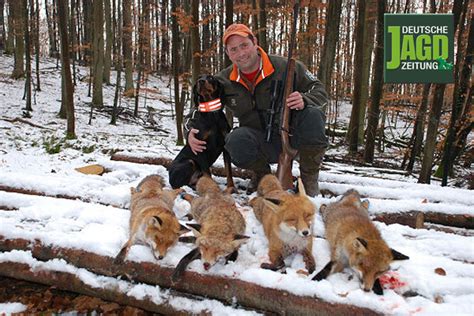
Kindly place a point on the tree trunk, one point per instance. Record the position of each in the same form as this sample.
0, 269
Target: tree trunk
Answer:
16, 10
37, 46
49, 18
165, 41
331, 37
419, 128
463, 70
229, 14
26, 30
127, 47
87, 23
175, 64
377, 87
108, 42
2, 26
98, 52
262, 31
431, 134
354, 124
196, 59
66, 68
10, 37
366, 62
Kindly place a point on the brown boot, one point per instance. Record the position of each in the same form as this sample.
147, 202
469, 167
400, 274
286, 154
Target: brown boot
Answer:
310, 162
259, 169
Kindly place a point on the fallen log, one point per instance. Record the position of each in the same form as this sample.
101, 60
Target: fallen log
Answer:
11, 189
166, 162
229, 291
450, 230
414, 219
456, 220
70, 282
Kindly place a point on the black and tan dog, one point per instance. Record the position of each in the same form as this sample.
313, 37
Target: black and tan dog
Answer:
209, 118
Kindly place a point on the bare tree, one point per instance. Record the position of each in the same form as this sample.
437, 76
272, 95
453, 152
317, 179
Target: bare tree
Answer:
98, 52
66, 67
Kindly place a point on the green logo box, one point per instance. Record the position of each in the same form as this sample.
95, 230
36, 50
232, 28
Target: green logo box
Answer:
419, 48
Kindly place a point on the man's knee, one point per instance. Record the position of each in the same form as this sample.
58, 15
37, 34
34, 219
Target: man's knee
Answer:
243, 146
311, 128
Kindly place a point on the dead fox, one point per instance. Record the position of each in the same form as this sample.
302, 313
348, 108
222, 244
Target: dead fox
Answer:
220, 228
152, 221
355, 242
287, 224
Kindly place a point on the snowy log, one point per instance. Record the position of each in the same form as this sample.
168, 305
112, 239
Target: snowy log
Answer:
229, 291
456, 220
414, 219
166, 162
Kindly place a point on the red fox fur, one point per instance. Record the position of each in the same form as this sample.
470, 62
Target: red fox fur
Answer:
287, 225
152, 221
221, 225
354, 240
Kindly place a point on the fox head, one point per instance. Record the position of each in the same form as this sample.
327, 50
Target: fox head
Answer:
161, 232
295, 213
213, 249
370, 259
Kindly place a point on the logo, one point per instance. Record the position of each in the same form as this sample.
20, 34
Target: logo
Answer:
419, 48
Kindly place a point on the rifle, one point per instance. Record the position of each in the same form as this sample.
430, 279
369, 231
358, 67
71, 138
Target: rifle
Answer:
285, 160
275, 88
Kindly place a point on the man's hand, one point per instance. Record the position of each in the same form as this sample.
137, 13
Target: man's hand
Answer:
196, 145
295, 101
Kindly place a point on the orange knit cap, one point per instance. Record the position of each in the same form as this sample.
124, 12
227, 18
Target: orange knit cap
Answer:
236, 29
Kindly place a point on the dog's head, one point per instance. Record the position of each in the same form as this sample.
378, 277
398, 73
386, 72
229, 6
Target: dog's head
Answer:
206, 89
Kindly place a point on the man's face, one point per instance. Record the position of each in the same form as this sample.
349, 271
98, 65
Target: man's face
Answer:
242, 51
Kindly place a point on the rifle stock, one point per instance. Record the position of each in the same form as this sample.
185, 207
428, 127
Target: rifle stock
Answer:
285, 160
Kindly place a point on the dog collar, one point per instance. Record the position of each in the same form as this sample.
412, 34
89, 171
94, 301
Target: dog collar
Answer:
210, 106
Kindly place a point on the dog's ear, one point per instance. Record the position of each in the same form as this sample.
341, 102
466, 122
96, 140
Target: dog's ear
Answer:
195, 95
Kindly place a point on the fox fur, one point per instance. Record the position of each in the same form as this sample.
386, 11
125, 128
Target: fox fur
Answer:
221, 226
152, 221
287, 225
354, 240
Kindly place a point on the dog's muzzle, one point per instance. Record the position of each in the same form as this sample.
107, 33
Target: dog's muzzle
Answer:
210, 106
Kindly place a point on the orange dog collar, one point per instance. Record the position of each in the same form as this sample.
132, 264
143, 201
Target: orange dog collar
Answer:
210, 106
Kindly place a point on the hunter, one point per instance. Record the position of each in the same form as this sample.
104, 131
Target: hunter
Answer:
247, 94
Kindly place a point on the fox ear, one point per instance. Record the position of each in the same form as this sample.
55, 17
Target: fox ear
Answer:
239, 240
322, 208
398, 255
196, 228
301, 189
156, 221
359, 244
365, 204
272, 204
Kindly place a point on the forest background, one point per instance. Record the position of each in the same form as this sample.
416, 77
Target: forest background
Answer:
124, 42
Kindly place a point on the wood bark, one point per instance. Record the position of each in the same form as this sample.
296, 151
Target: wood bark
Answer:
53, 49
431, 134
66, 69
19, 51
354, 124
108, 41
229, 291
262, 21
377, 87
331, 37
414, 219
195, 42
71, 282
37, 45
26, 30
127, 47
98, 52
176, 65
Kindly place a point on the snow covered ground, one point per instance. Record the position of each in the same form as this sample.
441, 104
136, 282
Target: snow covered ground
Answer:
99, 221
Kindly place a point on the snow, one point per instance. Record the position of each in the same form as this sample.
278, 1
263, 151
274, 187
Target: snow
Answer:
12, 307
98, 221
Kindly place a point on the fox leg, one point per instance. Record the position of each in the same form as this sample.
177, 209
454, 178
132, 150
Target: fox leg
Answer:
324, 272
337, 267
276, 261
309, 260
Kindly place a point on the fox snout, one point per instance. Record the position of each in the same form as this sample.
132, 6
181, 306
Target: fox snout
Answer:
206, 265
304, 233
